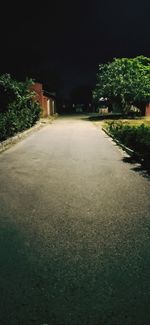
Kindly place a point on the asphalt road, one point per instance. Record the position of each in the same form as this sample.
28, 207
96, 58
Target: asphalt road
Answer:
74, 230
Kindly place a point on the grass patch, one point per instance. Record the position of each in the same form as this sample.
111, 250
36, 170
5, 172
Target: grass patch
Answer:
130, 122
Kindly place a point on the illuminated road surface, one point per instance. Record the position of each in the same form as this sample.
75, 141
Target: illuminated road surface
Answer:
74, 230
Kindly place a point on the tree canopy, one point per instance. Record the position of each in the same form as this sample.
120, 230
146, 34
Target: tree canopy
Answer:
125, 82
14, 92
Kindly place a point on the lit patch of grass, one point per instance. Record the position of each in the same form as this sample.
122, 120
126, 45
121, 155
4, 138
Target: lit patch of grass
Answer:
130, 122
138, 122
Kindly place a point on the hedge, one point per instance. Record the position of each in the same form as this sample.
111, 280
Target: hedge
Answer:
134, 137
18, 110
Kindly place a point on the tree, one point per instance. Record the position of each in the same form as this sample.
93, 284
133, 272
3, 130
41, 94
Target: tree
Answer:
13, 91
124, 82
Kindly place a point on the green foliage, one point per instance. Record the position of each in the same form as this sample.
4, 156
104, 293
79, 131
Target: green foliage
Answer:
134, 137
124, 82
18, 110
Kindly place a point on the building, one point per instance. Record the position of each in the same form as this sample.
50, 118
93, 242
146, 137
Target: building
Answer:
46, 100
147, 110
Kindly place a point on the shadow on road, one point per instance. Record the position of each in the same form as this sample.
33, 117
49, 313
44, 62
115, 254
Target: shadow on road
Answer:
141, 167
19, 303
59, 289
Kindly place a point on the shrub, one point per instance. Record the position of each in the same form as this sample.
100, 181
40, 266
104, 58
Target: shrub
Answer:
18, 110
134, 137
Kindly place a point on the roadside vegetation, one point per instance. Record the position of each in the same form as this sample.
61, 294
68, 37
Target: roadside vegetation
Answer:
18, 110
133, 135
129, 122
124, 83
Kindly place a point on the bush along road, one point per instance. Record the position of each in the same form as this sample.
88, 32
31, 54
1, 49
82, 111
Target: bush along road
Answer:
18, 110
136, 138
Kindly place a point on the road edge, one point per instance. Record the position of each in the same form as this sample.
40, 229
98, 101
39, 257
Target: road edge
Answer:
130, 152
6, 144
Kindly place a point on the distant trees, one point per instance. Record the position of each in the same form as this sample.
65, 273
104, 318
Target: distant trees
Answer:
124, 82
18, 110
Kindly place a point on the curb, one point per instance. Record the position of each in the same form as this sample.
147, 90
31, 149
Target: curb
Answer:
6, 144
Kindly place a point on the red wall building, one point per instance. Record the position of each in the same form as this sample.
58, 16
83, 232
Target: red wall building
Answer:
147, 111
47, 103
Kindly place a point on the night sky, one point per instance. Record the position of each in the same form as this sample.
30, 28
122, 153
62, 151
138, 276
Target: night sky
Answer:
62, 42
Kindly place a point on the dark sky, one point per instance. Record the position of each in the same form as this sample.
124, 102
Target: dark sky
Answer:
62, 42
